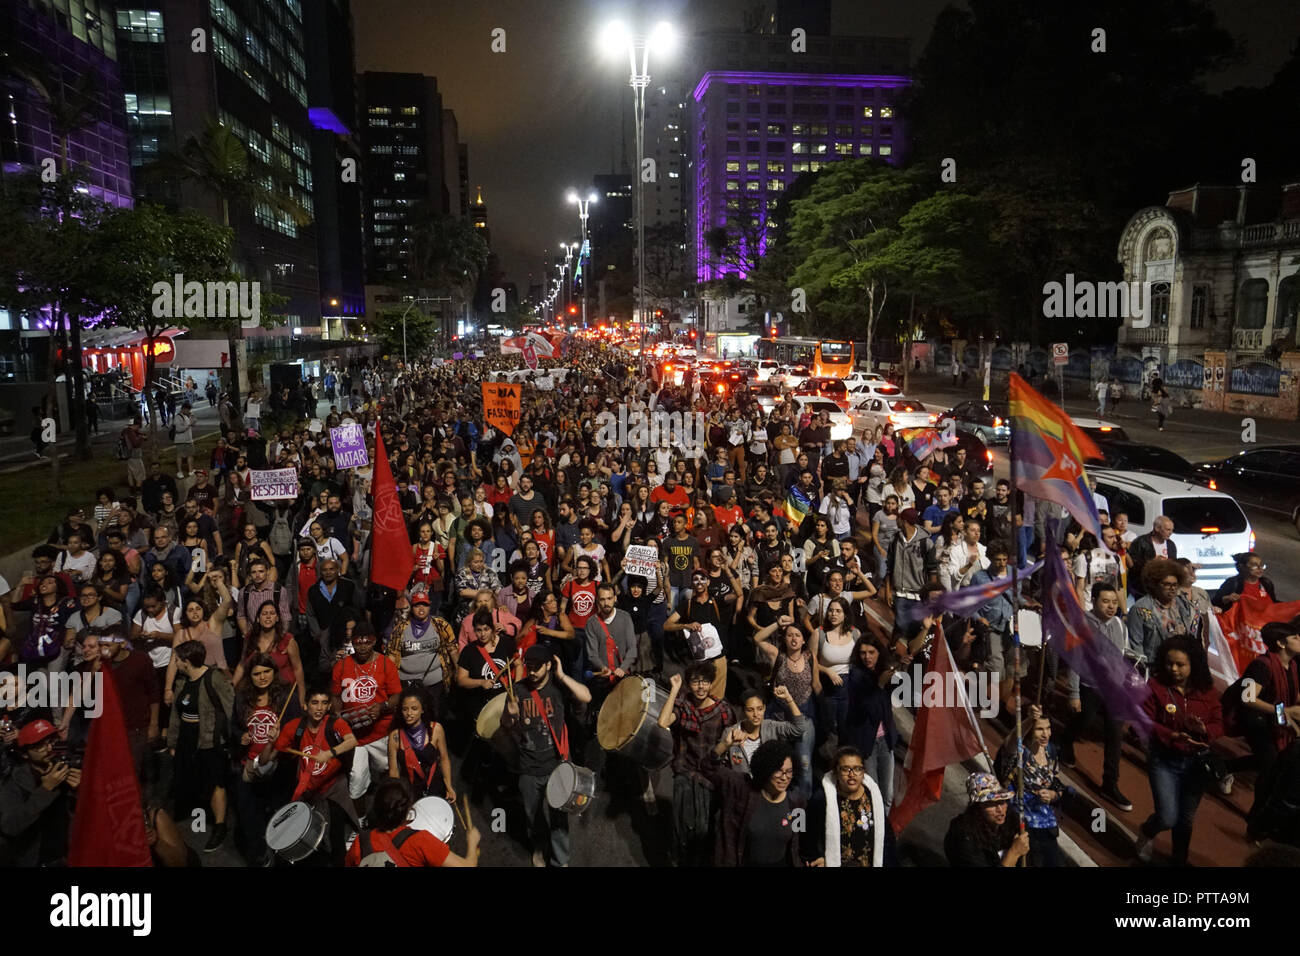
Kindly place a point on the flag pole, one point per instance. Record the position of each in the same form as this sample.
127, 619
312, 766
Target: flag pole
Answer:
1015, 627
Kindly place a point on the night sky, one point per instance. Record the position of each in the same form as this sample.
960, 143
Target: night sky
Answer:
547, 114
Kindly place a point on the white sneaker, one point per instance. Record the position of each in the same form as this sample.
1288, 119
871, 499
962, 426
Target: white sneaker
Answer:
1225, 785
539, 858
1143, 847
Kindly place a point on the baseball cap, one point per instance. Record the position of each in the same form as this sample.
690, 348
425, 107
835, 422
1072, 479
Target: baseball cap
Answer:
34, 732
909, 515
537, 655
420, 597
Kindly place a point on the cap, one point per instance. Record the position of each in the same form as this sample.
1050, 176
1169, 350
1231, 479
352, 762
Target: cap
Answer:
537, 655
983, 787
909, 515
35, 732
420, 597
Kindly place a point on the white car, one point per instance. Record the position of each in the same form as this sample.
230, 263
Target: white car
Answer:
862, 378
766, 368
841, 423
901, 412
792, 376
1209, 526
860, 392
767, 394
1099, 429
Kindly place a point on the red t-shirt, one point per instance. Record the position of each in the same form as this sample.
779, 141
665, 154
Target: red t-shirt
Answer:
582, 602
419, 849
361, 685
728, 516
307, 578
312, 776
677, 497
495, 497
545, 544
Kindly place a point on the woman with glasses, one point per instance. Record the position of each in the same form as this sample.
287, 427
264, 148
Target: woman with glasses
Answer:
1163, 612
756, 813
1250, 580
847, 818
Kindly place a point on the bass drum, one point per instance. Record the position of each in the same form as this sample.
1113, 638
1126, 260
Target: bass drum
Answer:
629, 723
433, 815
488, 727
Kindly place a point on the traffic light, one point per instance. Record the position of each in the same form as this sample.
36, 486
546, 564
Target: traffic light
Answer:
573, 310
772, 330
692, 335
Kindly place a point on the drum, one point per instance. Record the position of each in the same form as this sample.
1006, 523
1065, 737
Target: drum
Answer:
296, 831
629, 723
570, 788
433, 815
488, 727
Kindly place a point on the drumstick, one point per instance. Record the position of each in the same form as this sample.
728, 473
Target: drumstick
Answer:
460, 815
285, 706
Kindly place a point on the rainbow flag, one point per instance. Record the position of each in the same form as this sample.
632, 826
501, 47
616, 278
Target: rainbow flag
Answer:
797, 506
1047, 454
923, 442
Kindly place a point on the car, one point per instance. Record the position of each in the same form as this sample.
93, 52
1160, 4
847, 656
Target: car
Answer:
792, 375
767, 394
990, 421
766, 368
1266, 478
899, 412
863, 378
1149, 459
860, 392
1096, 428
841, 424
1209, 526
721, 381
832, 388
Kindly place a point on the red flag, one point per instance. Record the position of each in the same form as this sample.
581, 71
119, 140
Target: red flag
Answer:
391, 558
108, 828
1241, 624
942, 735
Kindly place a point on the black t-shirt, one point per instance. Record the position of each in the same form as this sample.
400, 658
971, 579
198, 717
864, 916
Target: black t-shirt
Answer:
538, 751
768, 834
682, 553
473, 660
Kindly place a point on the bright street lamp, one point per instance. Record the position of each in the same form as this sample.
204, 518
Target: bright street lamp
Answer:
573, 197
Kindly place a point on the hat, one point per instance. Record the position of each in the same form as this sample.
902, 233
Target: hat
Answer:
909, 515
34, 732
420, 597
537, 655
983, 787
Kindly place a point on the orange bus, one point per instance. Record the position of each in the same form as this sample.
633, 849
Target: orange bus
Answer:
828, 358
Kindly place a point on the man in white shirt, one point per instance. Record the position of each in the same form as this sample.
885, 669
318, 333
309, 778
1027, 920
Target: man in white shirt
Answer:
966, 557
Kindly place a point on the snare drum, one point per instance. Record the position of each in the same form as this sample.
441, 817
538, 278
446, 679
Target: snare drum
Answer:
433, 815
296, 831
570, 788
488, 727
629, 723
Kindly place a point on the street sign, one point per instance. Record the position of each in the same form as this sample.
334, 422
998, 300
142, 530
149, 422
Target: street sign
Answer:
1060, 353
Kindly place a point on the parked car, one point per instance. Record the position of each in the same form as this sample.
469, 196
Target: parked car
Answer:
899, 412
1209, 526
990, 421
841, 424
1266, 478
1149, 459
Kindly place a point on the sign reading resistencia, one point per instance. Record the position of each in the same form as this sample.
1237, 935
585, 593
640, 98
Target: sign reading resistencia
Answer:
270, 485
349, 444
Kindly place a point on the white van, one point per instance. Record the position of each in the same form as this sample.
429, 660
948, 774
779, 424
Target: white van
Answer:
1209, 526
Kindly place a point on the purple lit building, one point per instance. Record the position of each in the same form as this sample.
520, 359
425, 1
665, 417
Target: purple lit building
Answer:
753, 133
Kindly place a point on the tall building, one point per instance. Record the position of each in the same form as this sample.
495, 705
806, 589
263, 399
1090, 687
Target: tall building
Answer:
254, 82
455, 176
335, 147
754, 133
665, 143
404, 166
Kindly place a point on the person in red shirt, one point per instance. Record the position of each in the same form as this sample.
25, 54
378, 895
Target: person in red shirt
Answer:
672, 493
319, 740
1187, 717
391, 835
366, 688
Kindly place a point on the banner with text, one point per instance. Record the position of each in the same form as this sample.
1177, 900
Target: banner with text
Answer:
501, 405
643, 560
349, 443
270, 485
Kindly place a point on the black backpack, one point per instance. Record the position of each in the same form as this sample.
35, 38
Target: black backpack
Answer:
331, 737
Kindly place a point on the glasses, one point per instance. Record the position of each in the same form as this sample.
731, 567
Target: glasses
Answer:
784, 772
1169, 583
700, 682
853, 771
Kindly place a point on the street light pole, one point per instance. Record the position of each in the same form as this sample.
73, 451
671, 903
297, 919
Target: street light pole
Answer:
582, 220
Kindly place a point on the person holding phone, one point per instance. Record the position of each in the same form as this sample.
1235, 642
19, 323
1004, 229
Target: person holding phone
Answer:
36, 801
1187, 718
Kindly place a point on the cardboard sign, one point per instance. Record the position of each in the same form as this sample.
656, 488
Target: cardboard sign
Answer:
349, 443
271, 485
316, 426
501, 405
545, 383
643, 560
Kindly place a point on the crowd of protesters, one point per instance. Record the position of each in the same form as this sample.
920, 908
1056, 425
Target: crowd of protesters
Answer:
258, 664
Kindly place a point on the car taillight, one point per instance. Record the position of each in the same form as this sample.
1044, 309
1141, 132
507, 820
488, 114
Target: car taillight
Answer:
933, 419
1104, 428
1210, 530
989, 456
721, 388
1214, 485
1252, 542
893, 419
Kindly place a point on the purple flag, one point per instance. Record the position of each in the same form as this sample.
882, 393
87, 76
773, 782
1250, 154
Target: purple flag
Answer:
1096, 660
966, 601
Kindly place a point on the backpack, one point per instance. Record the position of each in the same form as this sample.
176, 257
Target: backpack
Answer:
123, 446
331, 737
384, 856
280, 537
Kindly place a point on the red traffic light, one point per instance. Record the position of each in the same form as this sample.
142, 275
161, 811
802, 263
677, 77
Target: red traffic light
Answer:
573, 310
692, 334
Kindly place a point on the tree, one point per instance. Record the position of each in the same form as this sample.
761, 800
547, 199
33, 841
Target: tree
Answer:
447, 255
420, 332
217, 162
667, 277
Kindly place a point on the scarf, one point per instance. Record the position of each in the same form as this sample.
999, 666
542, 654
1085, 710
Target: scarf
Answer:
832, 851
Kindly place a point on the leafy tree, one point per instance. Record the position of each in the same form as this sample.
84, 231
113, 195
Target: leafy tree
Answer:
422, 330
447, 256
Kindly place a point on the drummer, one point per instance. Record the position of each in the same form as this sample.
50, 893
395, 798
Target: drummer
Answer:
392, 835
366, 687
611, 644
320, 741
534, 715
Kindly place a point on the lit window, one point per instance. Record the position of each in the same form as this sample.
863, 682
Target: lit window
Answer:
733, 186
775, 185
733, 166
886, 112
751, 166
751, 185
867, 112
886, 150
399, 177
844, 149
864, 149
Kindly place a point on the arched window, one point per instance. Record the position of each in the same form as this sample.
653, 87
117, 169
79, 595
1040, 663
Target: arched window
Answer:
1159, 304
1288, 303
1252, 304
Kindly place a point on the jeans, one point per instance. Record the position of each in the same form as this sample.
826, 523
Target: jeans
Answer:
833, 707
880, 765
371, 756
902, 611
803, 746
1176, 787
545, 825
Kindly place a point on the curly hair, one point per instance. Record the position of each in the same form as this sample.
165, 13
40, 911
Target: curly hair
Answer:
767, 760
1157, 569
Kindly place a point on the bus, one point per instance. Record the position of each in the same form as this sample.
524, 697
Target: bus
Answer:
827, 358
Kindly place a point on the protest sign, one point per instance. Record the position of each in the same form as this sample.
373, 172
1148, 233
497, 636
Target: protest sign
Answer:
349, 446
643, 560
278, 483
